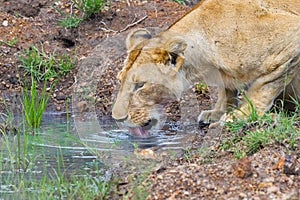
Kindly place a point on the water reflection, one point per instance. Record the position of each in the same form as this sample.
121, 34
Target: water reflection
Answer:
85, 138
77, 148
108, 137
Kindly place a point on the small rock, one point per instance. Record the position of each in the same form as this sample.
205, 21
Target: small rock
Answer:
287, 164
61, 97
279, 164
58, 108
5, 23
290, 163
269, 179
243, 195
159, 169
210, 186
147, 153
272, 189
82, 106
160, 177
242, 168
265, 184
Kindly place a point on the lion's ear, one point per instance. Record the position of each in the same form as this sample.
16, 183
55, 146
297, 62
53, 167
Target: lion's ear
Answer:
136, 36
175, 45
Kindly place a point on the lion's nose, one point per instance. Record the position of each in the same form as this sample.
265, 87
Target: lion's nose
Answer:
121, 119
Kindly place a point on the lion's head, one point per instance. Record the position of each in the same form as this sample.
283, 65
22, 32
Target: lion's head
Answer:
150, 77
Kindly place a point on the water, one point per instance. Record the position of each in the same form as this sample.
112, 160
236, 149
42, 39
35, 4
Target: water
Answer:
87, 139
79, 146
106, 136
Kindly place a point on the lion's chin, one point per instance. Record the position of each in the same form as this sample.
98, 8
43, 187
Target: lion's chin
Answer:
139, 131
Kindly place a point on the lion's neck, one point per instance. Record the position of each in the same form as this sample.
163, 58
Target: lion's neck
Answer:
200, 63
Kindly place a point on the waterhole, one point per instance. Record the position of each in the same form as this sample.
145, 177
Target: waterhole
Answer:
71, 145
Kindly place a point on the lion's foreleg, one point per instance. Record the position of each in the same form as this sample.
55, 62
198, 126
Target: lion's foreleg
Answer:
260, 96
226, 99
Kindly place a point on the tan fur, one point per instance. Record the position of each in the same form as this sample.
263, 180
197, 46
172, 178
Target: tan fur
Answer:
226, 43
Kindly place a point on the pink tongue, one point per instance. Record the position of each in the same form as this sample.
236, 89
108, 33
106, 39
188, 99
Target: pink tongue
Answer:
138, 131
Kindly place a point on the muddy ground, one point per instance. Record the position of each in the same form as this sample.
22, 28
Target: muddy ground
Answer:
217, 175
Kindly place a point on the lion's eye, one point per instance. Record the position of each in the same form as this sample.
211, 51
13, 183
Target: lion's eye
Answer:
139, 85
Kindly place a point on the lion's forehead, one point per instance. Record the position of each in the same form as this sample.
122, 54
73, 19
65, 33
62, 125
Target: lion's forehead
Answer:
143, 61
150, 51
150, 56
144, 72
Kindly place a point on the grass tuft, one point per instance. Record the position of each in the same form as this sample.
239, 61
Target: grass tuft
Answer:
34, 103
247, 137
86, 7
45, 66
42, 67
89, 7
70, 20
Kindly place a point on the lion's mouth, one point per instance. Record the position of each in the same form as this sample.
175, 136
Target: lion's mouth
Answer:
144, 129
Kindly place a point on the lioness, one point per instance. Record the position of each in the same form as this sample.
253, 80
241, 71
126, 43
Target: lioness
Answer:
226, 43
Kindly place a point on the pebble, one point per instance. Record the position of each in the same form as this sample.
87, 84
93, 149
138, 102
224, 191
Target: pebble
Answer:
243, 195
272, 189
61, 97
159, 177
147, 153
58, 108
5, 23
269, 179
82, 106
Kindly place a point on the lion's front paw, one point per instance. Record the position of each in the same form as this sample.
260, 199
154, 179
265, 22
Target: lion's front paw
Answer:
225, 118
229, 117
209, 116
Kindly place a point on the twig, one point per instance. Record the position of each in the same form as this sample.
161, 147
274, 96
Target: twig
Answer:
106, 29
75, 83
3, 42
71, 7
27, 18
133, 24
124, 29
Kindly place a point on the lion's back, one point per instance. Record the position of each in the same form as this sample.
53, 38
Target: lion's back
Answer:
247, 36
